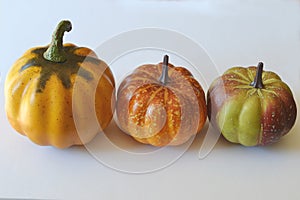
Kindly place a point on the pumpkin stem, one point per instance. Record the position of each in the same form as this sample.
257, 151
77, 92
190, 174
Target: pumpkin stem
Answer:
55, 51
164, 76
258, 83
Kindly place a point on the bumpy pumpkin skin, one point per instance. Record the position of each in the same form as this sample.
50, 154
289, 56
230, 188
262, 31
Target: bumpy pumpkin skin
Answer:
157, 114
40, 99
248, 115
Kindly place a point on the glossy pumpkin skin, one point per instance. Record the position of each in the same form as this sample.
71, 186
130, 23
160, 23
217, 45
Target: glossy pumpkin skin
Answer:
248, 115
161, 114
40, 98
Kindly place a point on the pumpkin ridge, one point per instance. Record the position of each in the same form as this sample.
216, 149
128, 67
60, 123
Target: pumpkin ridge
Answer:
242, 76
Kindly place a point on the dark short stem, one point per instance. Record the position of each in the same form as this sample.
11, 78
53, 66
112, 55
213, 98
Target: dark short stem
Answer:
258, 83
55, 51
164, 75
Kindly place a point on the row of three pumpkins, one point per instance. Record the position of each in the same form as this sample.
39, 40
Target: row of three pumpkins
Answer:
63, 95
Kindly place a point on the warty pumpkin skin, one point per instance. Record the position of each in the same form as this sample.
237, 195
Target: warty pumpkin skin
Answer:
40, 93
161, 105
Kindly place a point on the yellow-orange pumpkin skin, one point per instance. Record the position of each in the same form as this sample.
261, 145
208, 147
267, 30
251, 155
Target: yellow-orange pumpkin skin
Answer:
161, 114
40, 96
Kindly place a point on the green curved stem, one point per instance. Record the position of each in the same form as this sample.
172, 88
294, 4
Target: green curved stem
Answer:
258, 83
55, 51
164, 76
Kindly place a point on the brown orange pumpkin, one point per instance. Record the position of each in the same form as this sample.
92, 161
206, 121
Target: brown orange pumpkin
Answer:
161, 104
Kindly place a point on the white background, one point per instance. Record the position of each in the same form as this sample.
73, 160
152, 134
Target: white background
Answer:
233, 33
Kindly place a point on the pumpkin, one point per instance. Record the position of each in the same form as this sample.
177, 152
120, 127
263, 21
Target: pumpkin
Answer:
251, 106
161, 104
40, 94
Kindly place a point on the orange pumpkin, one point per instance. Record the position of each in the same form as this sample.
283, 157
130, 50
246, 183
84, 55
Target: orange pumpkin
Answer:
161, 104
40, 93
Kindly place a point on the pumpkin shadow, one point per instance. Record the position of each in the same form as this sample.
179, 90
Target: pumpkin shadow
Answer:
124, 142
121, 152
115, 138
288, 144
221, 142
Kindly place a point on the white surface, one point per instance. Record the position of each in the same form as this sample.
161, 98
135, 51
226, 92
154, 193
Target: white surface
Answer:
233, 33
